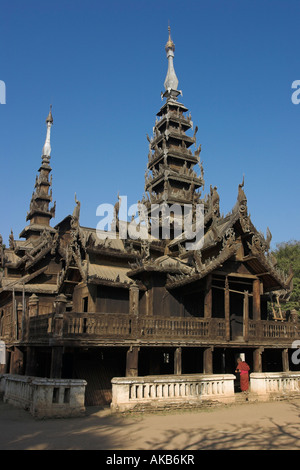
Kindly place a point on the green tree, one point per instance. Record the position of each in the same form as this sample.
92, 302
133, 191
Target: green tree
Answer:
288, 256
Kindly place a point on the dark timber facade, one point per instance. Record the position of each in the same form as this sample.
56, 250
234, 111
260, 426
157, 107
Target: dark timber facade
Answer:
76, 306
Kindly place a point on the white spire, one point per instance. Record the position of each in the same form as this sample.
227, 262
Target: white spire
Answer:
171, 81
47, 147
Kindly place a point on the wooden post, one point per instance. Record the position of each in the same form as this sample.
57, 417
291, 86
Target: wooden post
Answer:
257, 359
208, 361
246, 315
134, 300
178, 361
19, 320
31, 361
33, 306
57, 333
56, 362
15, 315
25, 325
208, 297
16, 361
227, 309
256, 299
58, 317
285, 360
132, 359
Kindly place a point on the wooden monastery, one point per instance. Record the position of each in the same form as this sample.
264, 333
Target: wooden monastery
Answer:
78, 306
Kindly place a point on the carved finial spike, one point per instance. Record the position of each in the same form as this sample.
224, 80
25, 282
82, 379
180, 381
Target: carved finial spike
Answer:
49, 117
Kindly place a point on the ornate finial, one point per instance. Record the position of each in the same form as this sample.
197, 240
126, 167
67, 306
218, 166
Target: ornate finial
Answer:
170, 44
47, 146
49, 117
171, 81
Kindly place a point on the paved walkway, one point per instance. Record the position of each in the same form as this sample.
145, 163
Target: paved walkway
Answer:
264, 426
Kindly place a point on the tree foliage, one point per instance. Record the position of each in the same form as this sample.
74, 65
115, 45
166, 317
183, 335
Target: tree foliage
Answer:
288, 256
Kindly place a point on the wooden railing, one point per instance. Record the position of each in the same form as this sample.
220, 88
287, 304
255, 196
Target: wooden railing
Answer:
268, 330
39, 327
125, 326
98, 324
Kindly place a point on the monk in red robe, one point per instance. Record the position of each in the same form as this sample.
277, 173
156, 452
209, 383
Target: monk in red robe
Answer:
243, 368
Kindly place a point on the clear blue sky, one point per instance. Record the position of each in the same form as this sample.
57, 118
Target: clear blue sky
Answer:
102, 65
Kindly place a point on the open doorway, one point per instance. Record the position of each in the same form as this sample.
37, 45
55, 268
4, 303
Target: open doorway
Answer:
156, 361
225, 362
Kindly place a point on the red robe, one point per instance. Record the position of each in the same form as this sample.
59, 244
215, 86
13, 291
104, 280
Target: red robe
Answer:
244, 375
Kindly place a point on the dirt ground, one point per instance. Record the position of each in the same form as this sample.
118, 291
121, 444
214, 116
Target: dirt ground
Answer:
253, 426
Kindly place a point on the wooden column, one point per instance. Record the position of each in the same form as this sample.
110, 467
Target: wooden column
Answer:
256, 299
56, 362
208, 361
132, 359
227, 309
57, 334
134, 300
16, 361
285, 360
33, 306
58, 317
178, 361
25, 325
208, 297
92, 298
257, 359
31, 361
246, 315
19, 320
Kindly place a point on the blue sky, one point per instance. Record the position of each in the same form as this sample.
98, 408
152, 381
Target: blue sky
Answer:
102, 65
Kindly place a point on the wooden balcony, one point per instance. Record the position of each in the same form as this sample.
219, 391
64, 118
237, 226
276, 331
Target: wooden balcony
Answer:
124, 327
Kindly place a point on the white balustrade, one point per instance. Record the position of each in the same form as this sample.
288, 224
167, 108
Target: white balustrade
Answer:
270, 383
44, 397
127, 392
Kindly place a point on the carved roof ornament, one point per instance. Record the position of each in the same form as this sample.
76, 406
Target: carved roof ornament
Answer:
242, 199
11, 240
215, 201
259, 244
115, 221
268, 239
243, 209
229, 237
76, 214
1, 252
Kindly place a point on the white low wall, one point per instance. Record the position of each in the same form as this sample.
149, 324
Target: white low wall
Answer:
44, 397
272, 383
129, 392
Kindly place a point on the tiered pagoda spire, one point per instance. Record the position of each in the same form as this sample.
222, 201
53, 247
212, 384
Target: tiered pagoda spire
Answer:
171, 177
40, 213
